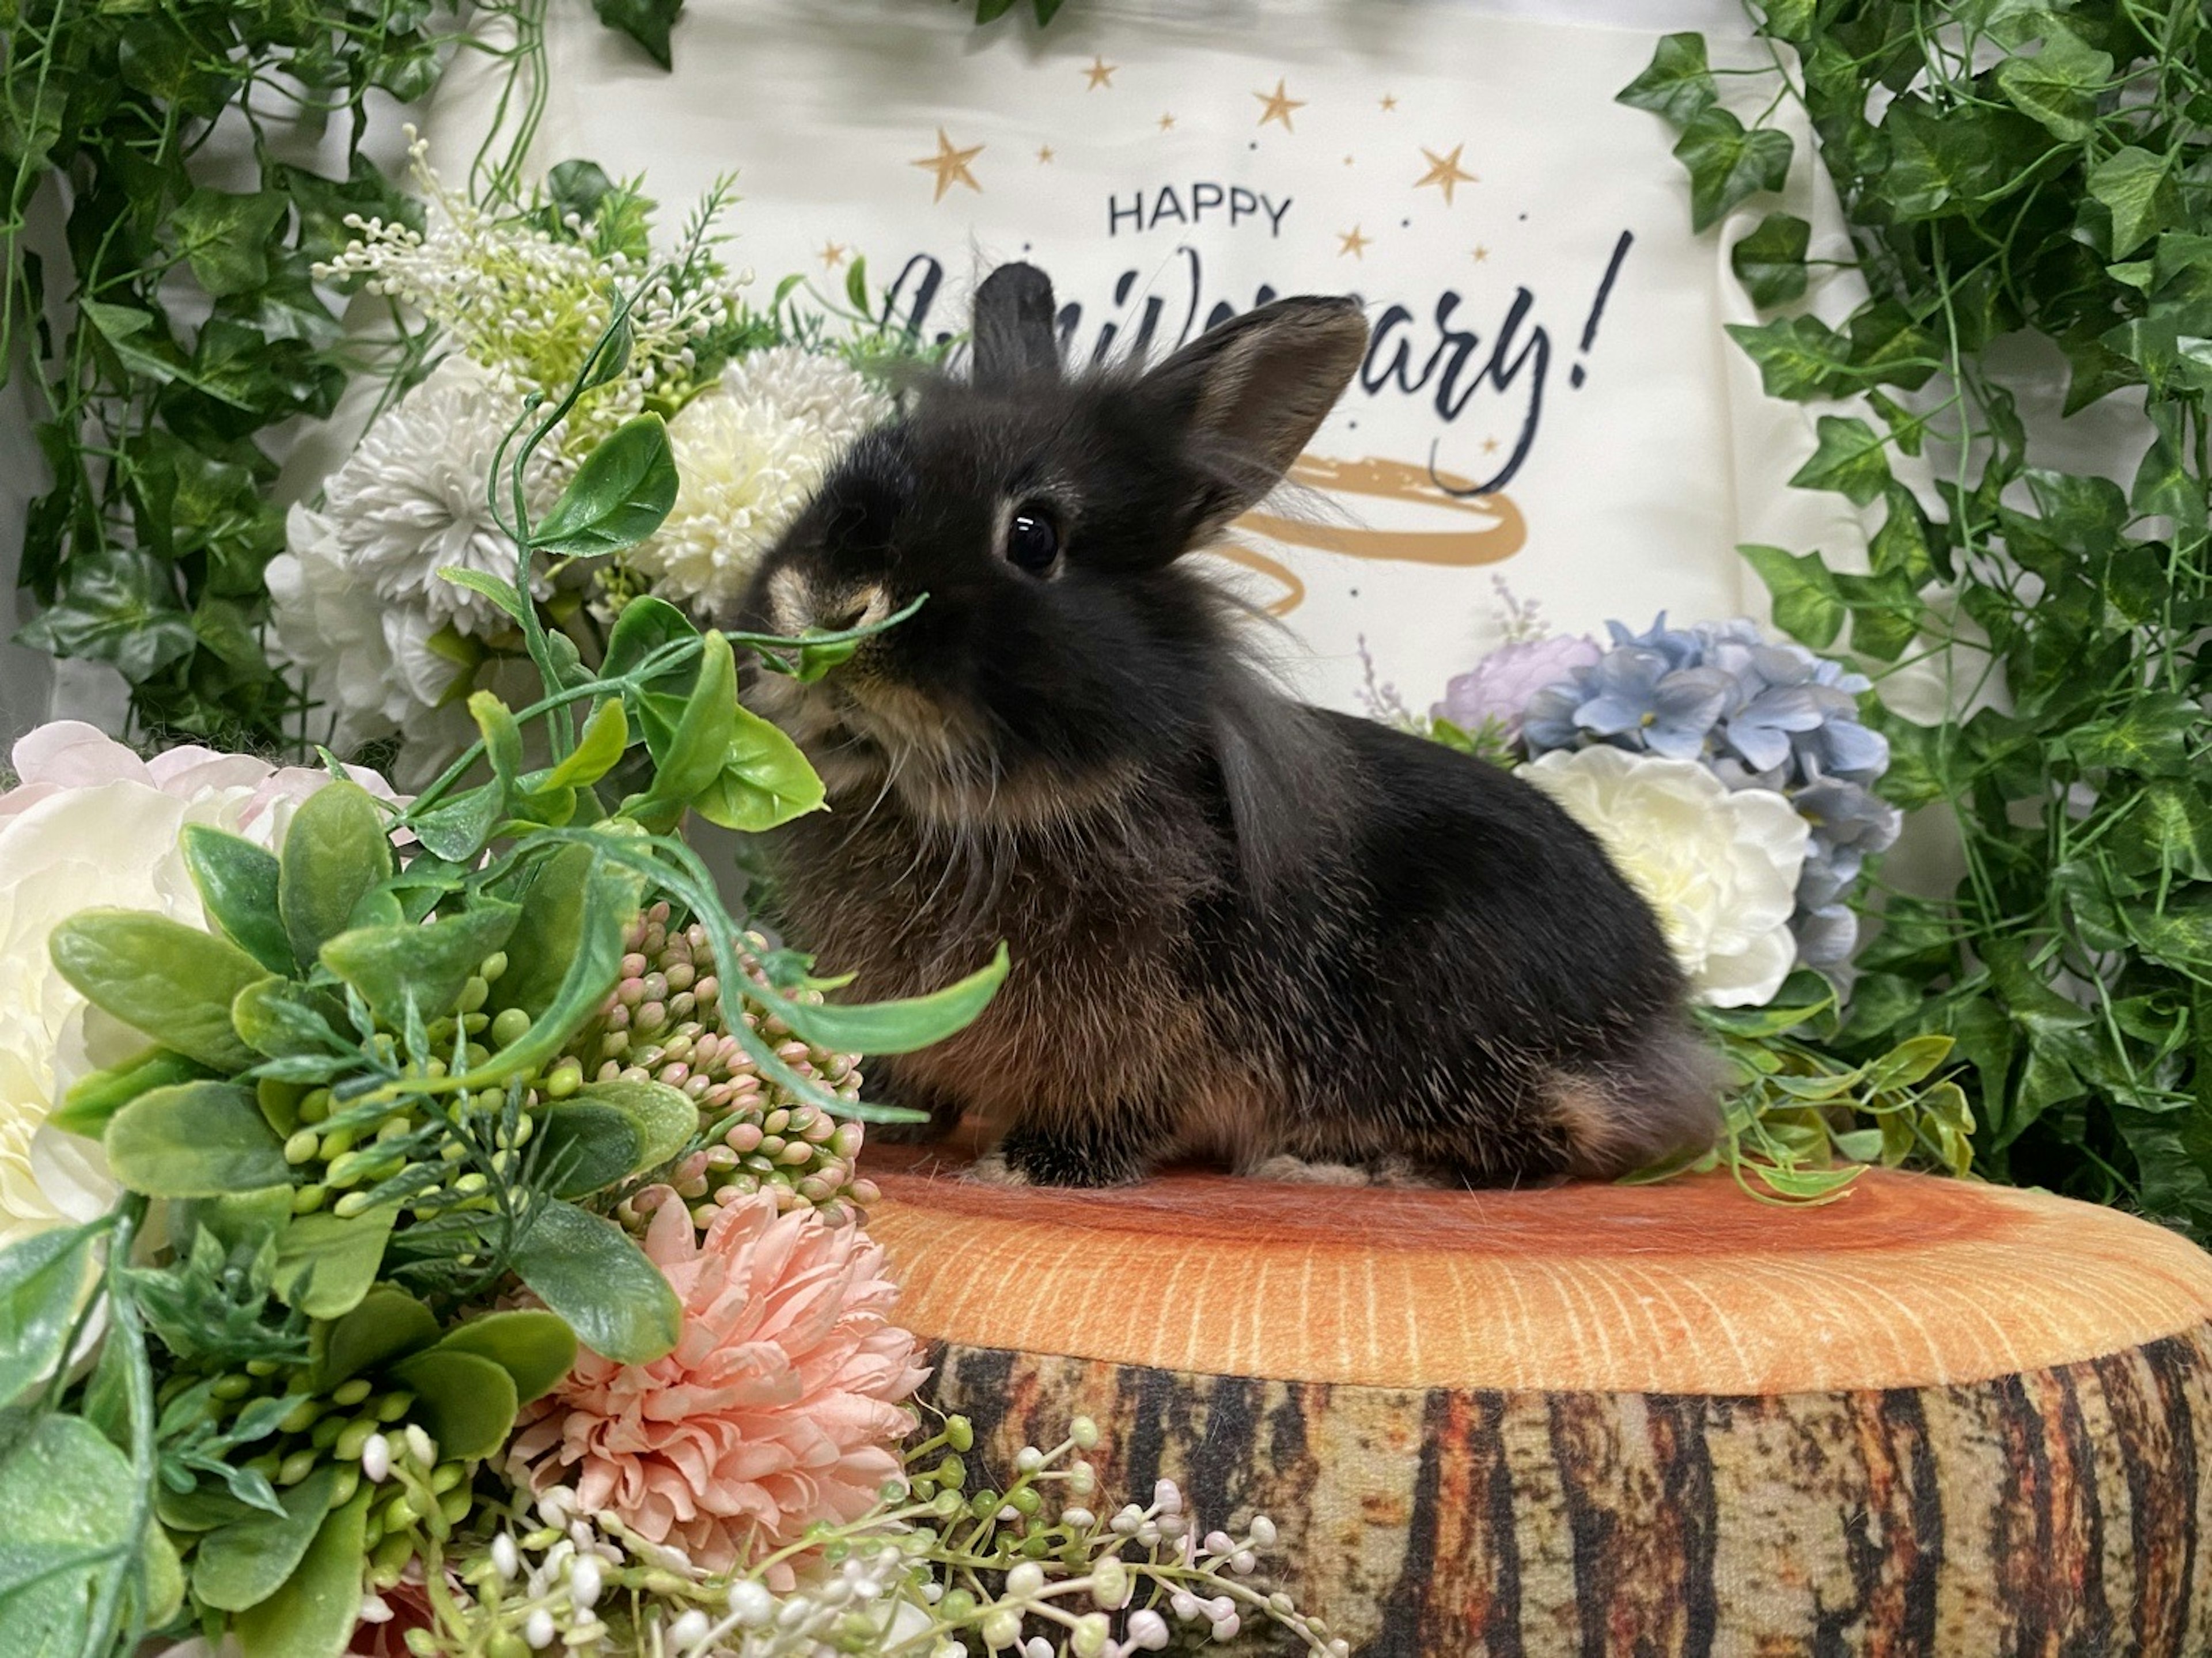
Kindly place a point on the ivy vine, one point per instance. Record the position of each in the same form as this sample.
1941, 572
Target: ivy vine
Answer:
2028, 189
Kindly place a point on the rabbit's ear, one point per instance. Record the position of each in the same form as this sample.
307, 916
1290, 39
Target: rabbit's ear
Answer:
1013, 327
1249, 394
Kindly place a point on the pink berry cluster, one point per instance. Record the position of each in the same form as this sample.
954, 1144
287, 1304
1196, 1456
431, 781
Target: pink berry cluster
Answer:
668, 1022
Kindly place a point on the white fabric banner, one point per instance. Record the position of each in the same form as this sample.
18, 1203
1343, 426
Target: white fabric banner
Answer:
1548, 396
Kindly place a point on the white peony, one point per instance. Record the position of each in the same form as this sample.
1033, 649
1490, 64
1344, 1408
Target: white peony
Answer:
1719, 867
92, 824
748, 455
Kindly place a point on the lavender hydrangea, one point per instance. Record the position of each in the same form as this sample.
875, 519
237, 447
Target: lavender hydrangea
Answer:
1760, 715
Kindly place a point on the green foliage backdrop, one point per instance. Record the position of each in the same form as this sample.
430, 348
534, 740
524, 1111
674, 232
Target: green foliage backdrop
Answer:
2024, 184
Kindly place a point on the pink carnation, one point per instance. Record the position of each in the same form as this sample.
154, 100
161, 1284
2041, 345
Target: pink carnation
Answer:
780, 1407
1499, 686
68, 753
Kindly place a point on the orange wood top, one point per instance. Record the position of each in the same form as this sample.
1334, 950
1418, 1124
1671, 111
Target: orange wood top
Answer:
1685, 1287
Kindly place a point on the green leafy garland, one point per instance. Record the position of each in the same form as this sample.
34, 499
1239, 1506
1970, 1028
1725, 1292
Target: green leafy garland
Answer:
2038, 175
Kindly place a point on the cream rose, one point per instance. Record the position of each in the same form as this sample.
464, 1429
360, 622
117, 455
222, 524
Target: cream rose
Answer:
1719, 867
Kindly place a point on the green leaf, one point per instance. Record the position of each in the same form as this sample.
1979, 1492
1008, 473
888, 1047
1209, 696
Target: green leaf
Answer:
1798, 357
587, 1147
457, 829
645, 626
535, 1349
665, 1119
604, 739
502, 738
2179, 934
326, 1265
618, 496
766, 781
197, 1139
1849, 460
899, 1027
65, 1504
94, 1099
431, 963
1676, 85
1727, 164
170, 981
2059, 86
505, 594
1885, 614
245, 1563
646, 21
314, 1614
226, 237
856, 285
693, 754
464, 1402
2168, 829
237, 883
2135, 189
546, 933
1771, 261
386, 1324
273, 1017
2165, 483
589, 1272
337, 848
42, 1280
1807, 605
2151, 737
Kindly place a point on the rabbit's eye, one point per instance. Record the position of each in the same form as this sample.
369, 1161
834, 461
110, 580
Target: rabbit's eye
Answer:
1032, 540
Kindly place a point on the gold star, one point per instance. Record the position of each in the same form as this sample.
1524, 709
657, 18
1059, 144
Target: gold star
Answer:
1166, 122
1444, 172
951, 165
1279, 104
833, 255
1100, 73
1490, 445
1389, 102
1354, 244
1348, 160
1480, 254
1044, 156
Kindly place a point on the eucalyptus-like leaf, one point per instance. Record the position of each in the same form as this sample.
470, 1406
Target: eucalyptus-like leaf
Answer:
664, 1118
246, 1561
66, 1495
237, 883
338, 848
98, 1095
618, 496
466, 1402
274, 1016
589, 1272
326, 1263
315, 1612
459, 827
587, 1147
536, 1349
432, 962
383, 1325
197, 1139
170, 981
42, 1281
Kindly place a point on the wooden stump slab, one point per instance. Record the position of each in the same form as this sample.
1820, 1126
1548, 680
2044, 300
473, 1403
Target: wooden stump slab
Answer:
1935, 1419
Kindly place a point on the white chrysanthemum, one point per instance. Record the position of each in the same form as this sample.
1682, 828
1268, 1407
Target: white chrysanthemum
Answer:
368, 658
1719, 867
413, 499
748, 455
93, 824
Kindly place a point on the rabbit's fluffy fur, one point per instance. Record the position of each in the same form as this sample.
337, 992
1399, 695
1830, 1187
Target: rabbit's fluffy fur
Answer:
1242, 928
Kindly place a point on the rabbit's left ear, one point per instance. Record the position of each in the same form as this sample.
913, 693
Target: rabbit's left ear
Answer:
1013, 338
1251, 394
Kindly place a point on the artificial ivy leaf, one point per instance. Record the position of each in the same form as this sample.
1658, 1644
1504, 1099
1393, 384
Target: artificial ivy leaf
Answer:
1848, 459
535, 1349
1807, 606
92, 1100
1942, 163
326, 1263
899, 1027
315, 1612
589, 1272
120, 605
2164, 484
1771, 261
42, 1281
170, 981
338, 847
1888, 347
1676, 85
237, 883
2081, 512
2151, 739
430, 963
464, 1401
197, 1139
2169, 829
1885, 611
646, 21
2135, 187
225, 237
618, 496
2059, 86
1904, 543
246, 1561
766, 781
1799, 357
2179, 933
1727, 164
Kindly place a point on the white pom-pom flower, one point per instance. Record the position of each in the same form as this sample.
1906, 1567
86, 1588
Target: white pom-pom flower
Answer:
1720, 867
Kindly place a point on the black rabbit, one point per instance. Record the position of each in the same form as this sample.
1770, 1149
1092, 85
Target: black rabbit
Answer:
1242, 927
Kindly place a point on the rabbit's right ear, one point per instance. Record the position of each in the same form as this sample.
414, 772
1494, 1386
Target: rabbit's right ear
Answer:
1013, 338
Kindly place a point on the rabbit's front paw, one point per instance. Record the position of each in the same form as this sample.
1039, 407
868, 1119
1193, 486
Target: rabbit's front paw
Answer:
992, 1169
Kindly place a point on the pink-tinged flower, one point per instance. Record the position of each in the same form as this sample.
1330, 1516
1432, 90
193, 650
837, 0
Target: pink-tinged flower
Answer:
780, 1407
68, 753
1498, 687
